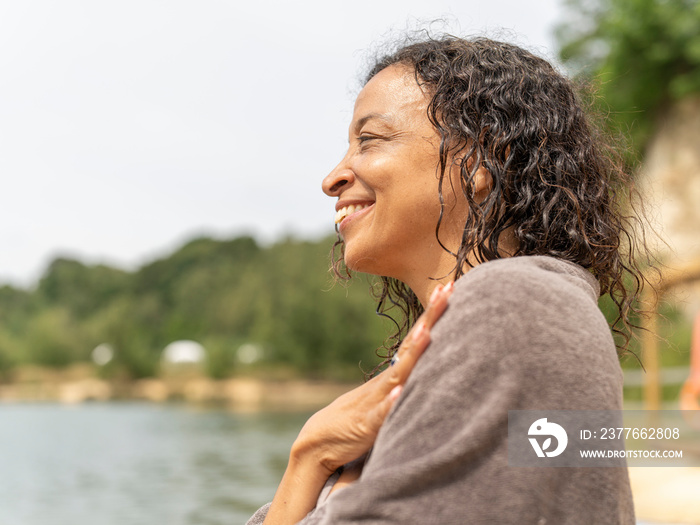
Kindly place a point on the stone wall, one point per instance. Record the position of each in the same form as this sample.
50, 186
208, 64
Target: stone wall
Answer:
670, 183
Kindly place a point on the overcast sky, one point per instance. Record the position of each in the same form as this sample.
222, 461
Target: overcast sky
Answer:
127, 127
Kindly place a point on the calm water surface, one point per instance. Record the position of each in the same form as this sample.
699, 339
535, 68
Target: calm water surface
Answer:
138, 463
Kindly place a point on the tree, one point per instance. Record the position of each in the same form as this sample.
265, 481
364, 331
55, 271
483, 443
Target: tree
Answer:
642, 55
223, 294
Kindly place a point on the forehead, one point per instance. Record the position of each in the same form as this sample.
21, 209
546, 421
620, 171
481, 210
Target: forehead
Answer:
394, 94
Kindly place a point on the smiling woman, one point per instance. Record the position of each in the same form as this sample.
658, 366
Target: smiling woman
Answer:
475, 187
390, 172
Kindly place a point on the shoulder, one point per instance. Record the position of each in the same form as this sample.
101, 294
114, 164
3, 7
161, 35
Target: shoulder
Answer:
529, 324
528, 297
522, 293
528, 278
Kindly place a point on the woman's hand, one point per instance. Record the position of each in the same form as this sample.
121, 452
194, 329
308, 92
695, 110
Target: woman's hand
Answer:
347, 428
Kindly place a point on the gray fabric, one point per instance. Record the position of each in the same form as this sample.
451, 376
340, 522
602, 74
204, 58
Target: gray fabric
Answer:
520, 333
259, 516
261, 513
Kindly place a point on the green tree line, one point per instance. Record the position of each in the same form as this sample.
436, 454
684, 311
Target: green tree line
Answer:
223, 294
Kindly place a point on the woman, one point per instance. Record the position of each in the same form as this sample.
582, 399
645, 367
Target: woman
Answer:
472, 162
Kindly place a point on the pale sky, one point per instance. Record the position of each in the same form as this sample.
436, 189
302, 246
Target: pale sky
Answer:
130, 126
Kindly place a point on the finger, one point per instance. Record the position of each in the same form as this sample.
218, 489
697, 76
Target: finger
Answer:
407, 355
417, 339
437, 304
376, 416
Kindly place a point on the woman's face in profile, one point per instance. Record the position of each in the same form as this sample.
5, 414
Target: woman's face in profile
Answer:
387, 184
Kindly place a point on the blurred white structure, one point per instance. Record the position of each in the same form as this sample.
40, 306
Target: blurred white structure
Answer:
249, 353
184, 351
102, 354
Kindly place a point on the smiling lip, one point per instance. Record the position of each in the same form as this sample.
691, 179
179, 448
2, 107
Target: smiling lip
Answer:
351, 210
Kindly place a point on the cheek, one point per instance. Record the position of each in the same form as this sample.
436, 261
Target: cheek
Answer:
420, 199
374, 171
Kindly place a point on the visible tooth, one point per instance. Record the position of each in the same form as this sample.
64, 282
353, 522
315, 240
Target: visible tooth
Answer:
348, 210
341, 214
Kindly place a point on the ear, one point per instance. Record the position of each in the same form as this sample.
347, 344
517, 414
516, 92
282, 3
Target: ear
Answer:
482, 182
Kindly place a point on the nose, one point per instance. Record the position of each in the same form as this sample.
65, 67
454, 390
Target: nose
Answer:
337, 179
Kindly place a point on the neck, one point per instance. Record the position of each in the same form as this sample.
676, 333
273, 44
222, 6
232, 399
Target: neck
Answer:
425, 279
422, 283
425, 289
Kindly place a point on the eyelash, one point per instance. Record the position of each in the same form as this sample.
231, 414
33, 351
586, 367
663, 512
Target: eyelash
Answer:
363, 139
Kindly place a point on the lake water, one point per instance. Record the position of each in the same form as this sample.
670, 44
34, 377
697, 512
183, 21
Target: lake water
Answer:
138, 463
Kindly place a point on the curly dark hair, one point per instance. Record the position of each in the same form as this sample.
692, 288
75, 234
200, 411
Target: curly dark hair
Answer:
558, 185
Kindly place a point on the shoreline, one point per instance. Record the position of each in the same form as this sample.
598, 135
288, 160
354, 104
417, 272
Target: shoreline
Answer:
238, 393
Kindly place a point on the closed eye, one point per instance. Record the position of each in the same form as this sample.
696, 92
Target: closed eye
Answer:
369, 140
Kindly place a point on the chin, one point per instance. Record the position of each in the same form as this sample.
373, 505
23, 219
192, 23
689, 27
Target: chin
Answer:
367, 263
361, 262
362, 266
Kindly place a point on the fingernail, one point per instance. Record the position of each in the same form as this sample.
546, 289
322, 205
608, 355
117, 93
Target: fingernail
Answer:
450, 286
395, 392
436, 293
